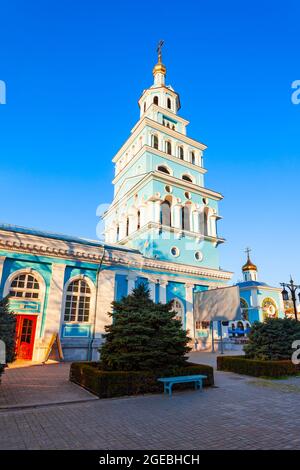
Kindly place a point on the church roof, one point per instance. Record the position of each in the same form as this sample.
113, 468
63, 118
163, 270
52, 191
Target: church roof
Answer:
63, 237
251, 284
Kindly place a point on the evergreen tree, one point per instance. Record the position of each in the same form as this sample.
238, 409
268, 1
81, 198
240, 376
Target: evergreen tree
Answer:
272, 339
143, 335
7, 329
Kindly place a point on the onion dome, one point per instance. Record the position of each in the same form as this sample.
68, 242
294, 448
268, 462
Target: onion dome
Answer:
249, 266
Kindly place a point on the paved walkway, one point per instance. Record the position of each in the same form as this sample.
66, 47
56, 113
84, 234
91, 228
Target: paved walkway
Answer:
240, 413
30, 385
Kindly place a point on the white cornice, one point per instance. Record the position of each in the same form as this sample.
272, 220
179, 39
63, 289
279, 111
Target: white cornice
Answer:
204, 192
179, 231
145, 121
164, 155
40, 246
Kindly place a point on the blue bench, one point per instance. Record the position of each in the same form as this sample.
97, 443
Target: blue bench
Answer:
170, 381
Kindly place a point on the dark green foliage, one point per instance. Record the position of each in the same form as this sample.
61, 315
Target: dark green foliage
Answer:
143, 336
108, 384
272, 339
7, 329
256, 368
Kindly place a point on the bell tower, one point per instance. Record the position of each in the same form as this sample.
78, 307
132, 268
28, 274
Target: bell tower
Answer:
161, 205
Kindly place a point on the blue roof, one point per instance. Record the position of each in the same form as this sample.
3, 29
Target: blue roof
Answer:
251, 284
63, 237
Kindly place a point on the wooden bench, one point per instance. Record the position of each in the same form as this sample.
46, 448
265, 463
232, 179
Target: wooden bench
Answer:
170, 381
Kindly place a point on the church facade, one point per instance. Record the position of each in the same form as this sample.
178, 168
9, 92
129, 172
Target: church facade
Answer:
160, 229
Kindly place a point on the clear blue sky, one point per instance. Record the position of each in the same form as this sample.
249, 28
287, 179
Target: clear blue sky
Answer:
74, 71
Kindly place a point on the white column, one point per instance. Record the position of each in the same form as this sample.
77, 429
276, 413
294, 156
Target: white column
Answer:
213, 226
131, 283
122, 229
163, 291
150, 211
2, 260
152, 289
196, 225
189, 319
177, 216
143, 214
157, 211
55, 301
132, 223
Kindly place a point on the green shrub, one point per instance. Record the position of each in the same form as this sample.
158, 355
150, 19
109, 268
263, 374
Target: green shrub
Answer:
108, 384
272, 339
256, 367
143, 335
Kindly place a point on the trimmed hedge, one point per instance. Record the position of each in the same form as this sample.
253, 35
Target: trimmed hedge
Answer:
2, 367
255, 367
108, 384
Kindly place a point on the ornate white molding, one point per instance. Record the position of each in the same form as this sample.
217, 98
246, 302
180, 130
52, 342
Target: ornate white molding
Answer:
54, 248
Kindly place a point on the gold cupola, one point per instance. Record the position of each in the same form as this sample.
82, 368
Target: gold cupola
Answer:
249, 266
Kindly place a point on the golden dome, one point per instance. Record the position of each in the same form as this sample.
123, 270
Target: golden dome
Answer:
249, 266
159, 68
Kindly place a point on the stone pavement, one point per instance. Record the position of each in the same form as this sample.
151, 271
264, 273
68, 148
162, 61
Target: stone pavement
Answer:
240, 413
30, 385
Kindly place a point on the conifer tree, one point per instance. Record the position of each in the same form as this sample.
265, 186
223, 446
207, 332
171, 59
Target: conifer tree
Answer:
7, 330
143, 335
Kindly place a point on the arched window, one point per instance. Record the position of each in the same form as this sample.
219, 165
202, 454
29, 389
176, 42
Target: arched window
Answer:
168, 147
127, 226
155, 141
138, 220
78, 302
155, 100
187, 178
164, 169
169, 104
177, 308
145, 106
181, 153
193, 158
25, 286
118, 233
165, 213
185, 218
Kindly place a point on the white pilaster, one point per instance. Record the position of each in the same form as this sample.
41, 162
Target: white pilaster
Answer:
131, 283
152, 289
163, 291
2, 261
189, 322
105, 296
55, 301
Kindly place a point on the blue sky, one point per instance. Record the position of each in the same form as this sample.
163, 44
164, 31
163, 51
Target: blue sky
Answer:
74, 72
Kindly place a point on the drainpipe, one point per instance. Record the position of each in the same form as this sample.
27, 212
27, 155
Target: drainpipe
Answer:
90, 347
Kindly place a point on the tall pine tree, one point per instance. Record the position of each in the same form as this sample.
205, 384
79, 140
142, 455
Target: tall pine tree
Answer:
143, 335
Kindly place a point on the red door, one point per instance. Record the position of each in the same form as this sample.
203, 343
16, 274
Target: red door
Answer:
25, 334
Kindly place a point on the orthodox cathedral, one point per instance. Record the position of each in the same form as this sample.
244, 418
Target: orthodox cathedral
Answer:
160, 229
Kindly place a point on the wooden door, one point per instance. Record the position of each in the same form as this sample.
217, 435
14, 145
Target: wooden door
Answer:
25, 334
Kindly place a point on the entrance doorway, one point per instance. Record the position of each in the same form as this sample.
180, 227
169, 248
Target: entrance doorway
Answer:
25, 334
